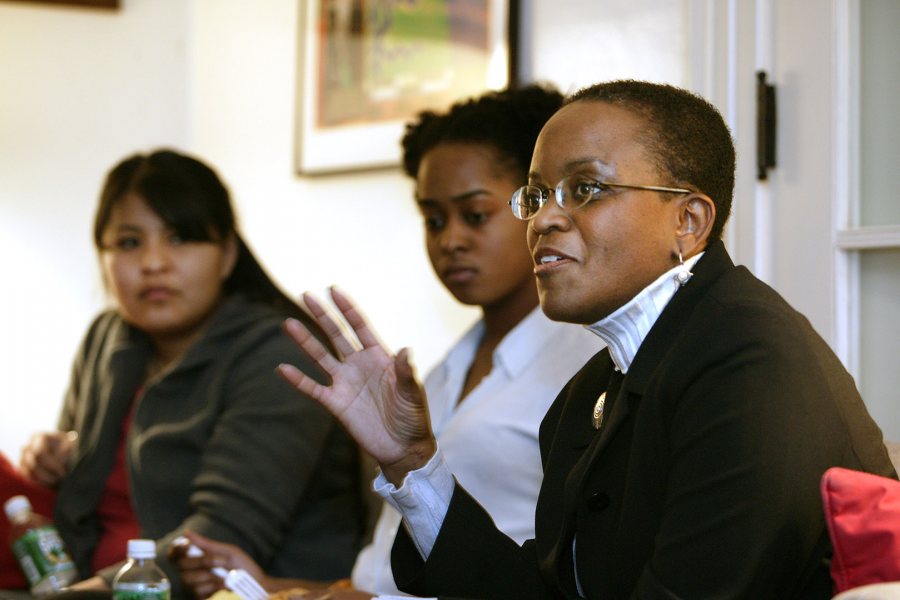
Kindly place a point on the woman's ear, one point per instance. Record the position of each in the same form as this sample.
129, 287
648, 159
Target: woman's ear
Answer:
229, 255
696, 214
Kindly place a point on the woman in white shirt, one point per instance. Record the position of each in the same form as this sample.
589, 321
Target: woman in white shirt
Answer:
489, 394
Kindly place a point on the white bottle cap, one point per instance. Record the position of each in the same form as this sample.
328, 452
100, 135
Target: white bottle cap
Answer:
141, 549
16, 505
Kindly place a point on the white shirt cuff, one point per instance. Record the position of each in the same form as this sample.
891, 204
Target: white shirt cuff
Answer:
423, 499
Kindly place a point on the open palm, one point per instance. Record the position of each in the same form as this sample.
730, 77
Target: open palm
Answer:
373, 393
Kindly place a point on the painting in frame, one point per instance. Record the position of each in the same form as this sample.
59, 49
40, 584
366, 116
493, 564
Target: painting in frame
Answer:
87, 3
366, 67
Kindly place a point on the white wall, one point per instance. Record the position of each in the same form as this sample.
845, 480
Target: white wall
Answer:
576, 43
360, 231
79, 89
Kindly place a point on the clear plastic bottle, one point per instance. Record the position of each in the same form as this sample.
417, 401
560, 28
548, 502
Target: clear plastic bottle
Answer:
140, 578
37, 546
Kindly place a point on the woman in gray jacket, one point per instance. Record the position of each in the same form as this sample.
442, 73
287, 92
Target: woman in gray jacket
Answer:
175, 418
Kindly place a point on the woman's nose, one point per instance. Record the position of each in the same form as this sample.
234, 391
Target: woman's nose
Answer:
155, 256
453, 236
550, 216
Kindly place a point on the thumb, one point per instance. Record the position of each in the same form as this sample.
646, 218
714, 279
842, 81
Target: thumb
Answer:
202, 542
406, 375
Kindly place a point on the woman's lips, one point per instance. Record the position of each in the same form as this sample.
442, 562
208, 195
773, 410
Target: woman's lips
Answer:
157, 293
459, 274
548, 260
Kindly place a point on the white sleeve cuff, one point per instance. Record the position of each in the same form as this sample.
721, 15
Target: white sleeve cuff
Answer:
423, 499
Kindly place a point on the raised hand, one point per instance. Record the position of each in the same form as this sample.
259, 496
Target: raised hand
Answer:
45, 458
373, 393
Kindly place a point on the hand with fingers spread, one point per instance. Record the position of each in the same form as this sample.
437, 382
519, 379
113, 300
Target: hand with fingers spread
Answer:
373, 393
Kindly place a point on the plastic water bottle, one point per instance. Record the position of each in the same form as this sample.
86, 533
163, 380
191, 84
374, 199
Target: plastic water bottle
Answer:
37, 546
140, 578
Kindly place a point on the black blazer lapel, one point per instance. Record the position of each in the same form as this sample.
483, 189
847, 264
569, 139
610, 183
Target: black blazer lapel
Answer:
618, 407
584, 443
654, 347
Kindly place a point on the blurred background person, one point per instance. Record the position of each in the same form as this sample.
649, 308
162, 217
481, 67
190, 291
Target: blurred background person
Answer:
174, 417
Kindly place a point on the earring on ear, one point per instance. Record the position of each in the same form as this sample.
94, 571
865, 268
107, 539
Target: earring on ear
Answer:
683, 274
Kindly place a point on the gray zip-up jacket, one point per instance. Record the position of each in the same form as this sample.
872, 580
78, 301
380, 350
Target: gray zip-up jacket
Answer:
219, 445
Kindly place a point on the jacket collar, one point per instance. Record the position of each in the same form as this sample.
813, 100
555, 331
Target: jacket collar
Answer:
714, 263
625, 329
133, 347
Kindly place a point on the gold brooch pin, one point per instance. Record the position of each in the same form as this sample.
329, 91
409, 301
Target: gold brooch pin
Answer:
597, 417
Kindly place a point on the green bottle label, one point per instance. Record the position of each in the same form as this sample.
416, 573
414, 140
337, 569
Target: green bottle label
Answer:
41, 553
141, 591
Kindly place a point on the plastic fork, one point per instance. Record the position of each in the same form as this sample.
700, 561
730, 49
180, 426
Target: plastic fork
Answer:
241, 583
238, 581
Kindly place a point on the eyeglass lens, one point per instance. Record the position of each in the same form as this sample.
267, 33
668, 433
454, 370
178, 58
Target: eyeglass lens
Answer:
570, 193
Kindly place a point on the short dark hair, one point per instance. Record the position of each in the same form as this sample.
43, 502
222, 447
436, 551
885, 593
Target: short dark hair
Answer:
509, 121
686, 136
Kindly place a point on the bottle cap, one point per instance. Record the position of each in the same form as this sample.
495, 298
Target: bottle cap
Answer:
141, 549
15, 505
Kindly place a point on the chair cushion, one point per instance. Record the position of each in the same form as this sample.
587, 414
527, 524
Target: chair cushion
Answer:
862, 512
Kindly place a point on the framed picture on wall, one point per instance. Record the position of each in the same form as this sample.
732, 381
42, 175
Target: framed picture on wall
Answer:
367, 66
89, 3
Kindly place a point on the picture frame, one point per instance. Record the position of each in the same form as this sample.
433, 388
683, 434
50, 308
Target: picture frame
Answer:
86, 3
365, 68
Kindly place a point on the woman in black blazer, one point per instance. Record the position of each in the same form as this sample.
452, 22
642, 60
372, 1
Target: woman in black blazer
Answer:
683, 462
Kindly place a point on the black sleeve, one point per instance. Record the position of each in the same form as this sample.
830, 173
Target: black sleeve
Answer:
471, 558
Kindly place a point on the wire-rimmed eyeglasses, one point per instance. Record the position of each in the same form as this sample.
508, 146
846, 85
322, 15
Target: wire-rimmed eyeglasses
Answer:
572, 192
